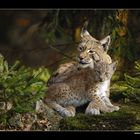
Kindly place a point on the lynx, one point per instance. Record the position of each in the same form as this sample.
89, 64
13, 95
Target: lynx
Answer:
87, 80
82, 87
89, 49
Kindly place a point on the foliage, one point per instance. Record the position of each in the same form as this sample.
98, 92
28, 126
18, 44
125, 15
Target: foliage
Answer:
61, 26
133, 85
20, 87
121, 36
130, 88
53, 32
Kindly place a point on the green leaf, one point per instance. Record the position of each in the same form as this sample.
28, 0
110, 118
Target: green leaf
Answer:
133, 81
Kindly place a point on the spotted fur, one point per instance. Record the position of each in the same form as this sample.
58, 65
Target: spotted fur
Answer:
88, 80
81, 87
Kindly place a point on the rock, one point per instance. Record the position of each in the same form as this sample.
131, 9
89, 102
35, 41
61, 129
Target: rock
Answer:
44, 119
15, 121
4, 107
44, 112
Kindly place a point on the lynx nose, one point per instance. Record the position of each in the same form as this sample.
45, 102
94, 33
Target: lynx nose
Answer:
80, 58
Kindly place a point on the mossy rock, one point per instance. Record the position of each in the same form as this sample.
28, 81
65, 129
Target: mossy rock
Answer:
113, 121
127, 118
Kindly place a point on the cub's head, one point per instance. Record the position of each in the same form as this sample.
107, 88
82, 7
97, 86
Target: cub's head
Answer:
91, 50
104, 71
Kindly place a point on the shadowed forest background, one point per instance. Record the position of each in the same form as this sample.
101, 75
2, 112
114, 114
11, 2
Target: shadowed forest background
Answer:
42, 39
27, 35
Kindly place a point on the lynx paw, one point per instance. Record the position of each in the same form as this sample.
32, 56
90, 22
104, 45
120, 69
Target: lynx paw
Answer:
116, 108
112, 108
67, 113
72, 110
93, 111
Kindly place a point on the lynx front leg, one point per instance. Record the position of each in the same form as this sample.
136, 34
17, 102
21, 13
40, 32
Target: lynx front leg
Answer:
69, 111
96, 105
92, 109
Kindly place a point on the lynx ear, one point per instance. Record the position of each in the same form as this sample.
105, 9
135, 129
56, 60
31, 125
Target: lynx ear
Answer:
114, 65
84, 31
105, 43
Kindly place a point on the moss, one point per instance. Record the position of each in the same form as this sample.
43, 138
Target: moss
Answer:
111, 121
134, 109
127, 118
136, 127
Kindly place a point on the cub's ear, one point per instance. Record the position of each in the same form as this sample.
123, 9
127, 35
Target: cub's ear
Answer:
84, 31
114, 65
105, 43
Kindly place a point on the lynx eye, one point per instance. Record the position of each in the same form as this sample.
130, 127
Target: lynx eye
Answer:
80, 49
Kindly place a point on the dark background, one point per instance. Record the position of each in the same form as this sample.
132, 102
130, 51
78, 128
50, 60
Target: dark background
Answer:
27, 35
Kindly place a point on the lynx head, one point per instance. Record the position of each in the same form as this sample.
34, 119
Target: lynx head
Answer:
104, 71
91, 49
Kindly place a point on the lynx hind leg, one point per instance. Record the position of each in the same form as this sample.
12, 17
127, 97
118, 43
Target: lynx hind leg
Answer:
108, 103
64, 112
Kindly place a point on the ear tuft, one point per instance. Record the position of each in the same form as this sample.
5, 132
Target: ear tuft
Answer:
105, 43
84, 31
84, 28
116, 62
114, 65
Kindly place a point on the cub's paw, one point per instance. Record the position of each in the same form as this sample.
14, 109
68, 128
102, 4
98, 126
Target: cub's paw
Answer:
112, 108
93, 111
66, 113
72, 110
116, 108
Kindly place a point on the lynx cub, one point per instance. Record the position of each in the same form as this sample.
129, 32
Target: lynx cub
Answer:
82, 86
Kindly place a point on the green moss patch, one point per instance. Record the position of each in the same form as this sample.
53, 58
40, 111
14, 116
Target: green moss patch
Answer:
112, 121
127, 118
